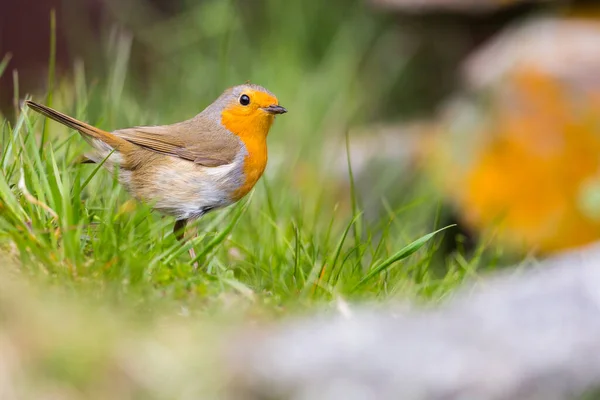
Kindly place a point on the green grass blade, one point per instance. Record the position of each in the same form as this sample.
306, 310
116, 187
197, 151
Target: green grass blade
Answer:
224, 233
340, 245
95, 171
51, 75
4, 63
400, 255
353, 196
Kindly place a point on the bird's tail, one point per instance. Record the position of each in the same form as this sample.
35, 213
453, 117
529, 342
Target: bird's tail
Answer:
113, 141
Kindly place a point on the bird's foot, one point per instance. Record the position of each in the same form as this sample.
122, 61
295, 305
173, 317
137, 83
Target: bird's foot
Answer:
193, 257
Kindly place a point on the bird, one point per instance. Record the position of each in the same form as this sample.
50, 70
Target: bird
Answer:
188, 168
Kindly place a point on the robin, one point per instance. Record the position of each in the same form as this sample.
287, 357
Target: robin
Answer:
192, 167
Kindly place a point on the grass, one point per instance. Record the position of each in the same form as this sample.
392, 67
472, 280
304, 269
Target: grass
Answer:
301, 239
76, 225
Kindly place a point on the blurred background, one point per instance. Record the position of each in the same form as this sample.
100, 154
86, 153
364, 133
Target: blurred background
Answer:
482, 113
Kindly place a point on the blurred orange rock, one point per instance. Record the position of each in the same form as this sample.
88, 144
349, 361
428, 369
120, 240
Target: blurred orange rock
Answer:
520, 156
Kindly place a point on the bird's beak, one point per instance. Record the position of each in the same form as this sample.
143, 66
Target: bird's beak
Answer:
274, 109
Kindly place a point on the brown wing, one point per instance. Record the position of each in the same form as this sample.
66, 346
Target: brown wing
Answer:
198, 140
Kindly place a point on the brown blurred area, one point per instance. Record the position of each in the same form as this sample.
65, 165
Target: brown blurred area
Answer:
25, 35
80, 26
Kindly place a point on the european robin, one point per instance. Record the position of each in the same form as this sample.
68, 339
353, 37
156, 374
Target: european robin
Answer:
192, 167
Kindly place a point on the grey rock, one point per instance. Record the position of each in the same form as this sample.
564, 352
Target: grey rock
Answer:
530, 334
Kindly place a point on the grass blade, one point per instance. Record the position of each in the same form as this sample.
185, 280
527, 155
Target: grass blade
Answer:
353, 198
400, 255
4, 63
340, 245
95, 171
51, 69
223, 234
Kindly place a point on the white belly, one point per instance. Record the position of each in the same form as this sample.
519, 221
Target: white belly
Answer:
187, 190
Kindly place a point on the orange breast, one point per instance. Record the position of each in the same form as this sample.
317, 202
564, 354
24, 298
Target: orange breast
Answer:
253, 133
254, 165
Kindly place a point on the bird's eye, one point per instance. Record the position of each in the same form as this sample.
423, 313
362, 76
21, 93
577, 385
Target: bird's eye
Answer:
244, 100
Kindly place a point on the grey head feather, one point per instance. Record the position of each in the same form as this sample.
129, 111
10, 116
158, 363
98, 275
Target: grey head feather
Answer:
229, 96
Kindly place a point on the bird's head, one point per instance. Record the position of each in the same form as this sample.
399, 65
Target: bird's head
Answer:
248, 110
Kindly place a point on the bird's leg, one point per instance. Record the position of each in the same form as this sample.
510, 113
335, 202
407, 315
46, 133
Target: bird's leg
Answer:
179, 229
179, 232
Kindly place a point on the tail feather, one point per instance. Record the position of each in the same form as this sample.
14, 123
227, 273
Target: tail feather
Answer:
85, 129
